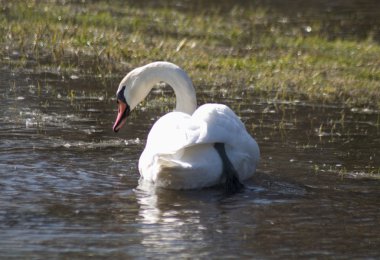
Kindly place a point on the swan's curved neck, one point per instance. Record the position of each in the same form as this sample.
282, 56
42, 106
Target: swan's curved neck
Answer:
149, 75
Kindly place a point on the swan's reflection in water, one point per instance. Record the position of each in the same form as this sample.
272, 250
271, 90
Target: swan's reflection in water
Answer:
197, 222
171, 221
210, 223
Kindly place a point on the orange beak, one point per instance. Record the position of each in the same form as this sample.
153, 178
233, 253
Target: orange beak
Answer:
121, 119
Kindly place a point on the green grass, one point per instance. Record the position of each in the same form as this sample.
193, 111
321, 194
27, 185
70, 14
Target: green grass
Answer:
238, 48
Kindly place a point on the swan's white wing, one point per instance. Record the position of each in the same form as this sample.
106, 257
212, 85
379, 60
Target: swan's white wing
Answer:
210, 123
180, 147
218, 123
173, 158
224, 126
172, 132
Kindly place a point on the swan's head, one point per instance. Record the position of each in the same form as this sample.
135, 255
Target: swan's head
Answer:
128, 96
137, 84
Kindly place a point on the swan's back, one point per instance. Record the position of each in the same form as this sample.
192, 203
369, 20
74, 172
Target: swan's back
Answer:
179, 152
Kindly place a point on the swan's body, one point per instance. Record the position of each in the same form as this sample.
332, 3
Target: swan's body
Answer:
180, 152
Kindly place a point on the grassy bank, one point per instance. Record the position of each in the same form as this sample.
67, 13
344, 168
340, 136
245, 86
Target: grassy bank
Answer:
240, 47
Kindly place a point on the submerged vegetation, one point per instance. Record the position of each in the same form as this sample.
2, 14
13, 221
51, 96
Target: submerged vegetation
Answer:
242, 46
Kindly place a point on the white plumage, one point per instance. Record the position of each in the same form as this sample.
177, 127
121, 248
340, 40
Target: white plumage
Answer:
179, 152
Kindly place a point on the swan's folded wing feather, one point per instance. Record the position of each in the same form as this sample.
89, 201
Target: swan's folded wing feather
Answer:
218, 123
180, 151
172, 132
210, 123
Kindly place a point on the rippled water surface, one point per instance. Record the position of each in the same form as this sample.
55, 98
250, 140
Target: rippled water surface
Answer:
69, 187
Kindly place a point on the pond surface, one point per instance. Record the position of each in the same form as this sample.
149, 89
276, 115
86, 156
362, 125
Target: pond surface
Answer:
69, 186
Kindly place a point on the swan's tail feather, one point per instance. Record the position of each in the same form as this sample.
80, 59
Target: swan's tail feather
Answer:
232, 182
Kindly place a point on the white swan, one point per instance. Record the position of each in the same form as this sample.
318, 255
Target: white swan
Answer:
188, 148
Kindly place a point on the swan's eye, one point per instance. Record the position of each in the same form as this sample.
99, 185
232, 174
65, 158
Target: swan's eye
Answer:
120, 95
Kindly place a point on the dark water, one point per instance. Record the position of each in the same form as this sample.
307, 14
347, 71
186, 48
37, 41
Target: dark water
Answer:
69, 187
